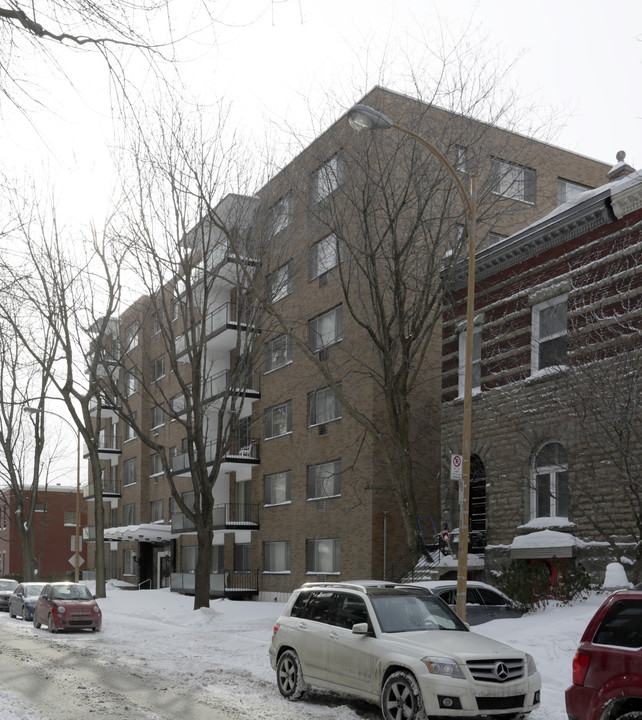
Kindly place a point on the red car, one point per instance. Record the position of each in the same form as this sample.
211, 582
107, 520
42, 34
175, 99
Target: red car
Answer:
607, 667
67, 606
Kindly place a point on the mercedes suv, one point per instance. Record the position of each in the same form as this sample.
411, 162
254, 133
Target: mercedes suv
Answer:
400, 647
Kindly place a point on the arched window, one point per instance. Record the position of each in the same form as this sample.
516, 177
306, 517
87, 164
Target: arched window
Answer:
549, 496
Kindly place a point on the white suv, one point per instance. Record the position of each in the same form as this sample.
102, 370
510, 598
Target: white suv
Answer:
400, 647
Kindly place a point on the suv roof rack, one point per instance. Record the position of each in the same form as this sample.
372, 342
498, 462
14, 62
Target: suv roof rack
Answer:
363, 585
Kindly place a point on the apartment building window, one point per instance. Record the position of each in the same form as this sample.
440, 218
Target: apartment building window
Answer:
129, 472
512, 181
278, 420
568, 190
325, 330
158, 368
281, 214
131, 384
131, 337
281, 283
156, 326
129, 514
278, 352
549, 333
324, 255
113, 479
326, 179
130, 433
177, 403
242, 556
461, 158
276, 556
156, 514
218, 558
157, 416
549, 493
188, 559
324, 480
323, 556
477, 345
278, 488
129, 562
323, 407
155, 464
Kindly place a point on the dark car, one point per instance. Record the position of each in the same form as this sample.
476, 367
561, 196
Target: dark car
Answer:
23, 600
67, 606
483, 602
7, 586
607, 667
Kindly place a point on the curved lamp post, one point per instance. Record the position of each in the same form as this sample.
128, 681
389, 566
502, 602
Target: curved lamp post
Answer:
37, 411
362, 117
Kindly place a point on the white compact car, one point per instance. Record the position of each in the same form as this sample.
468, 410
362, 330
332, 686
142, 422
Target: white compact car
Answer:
400, 647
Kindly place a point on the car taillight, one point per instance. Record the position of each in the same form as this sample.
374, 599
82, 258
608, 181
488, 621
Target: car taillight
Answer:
580, 667
275, 628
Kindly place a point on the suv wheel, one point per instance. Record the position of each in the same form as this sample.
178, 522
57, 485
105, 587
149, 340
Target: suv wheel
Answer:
401, 699
635, 715
289, 677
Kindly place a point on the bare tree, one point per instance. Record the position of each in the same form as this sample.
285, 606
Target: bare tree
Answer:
67, 294
24, 459
187, 246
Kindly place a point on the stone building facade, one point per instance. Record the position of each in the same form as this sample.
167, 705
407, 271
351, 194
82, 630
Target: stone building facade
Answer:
556, 436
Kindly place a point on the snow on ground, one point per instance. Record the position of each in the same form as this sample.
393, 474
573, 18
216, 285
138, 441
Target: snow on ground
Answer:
225, 648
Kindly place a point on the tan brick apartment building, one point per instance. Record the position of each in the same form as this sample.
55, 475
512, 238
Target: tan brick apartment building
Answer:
556, 436
303, 494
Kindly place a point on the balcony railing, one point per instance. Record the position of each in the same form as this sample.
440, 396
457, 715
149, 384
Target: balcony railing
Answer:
107, 445
229, 583
239, 451
225, 516
216, 385
111, 488
225, 317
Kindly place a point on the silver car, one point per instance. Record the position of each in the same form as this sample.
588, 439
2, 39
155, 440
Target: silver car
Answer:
7, 586
400, 647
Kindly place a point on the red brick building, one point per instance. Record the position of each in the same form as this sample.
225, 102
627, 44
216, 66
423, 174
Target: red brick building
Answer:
556, 425
54, 535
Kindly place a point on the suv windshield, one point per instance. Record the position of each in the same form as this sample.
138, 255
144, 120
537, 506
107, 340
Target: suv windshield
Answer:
409, 613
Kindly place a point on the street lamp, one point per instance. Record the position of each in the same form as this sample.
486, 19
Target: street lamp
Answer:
362, 117
37, 411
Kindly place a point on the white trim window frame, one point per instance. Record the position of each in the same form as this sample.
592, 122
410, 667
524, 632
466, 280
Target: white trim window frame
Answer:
549, 485
129, 472
549, 334
323, 556
276, 556
324, 255
326, 329
158, 368
324, 480
281, 283
281, 214
326, 179
513, 181
278, 488
131, 336
278, 420
278, 353
323, 407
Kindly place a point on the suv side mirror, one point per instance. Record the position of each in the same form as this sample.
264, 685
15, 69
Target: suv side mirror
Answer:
360, 628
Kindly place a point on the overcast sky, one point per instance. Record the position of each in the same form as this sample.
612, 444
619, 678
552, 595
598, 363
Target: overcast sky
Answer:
275, 62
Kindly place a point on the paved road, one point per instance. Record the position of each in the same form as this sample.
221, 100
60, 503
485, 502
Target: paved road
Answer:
60, 682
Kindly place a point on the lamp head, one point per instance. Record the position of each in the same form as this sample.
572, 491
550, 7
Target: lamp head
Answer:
362, 117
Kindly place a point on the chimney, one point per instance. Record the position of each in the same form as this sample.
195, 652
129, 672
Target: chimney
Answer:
620, 169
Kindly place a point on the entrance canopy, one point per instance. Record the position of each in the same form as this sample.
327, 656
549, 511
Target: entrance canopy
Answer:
150, 532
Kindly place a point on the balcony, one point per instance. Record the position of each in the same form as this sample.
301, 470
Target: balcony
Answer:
111, 489
109, 447
216, 386
226, 516
108, 409
229, 583
239, 452
221, 328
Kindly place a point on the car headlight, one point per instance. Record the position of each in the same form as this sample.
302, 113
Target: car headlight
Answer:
96, 609
61, 609
443, 666
530, 664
